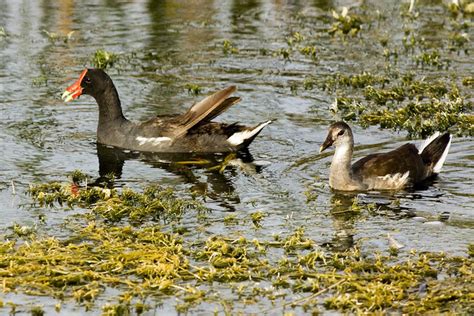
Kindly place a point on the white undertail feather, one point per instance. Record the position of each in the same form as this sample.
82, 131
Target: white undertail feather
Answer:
240, 137
440, 162
427, 141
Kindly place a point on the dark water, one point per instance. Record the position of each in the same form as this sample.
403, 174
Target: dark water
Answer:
164, 45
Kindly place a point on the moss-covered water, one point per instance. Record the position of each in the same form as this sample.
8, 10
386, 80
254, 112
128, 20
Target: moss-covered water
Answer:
221, 233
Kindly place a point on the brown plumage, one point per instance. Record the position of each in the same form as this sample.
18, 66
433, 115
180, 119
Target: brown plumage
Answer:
402, 167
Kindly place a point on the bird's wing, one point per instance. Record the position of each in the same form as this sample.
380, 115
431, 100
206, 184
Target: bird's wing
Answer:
398, 161
204, 111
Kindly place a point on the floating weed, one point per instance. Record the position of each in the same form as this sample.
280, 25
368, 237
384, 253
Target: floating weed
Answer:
310, 195
230, 220
309, 51
345, 24
55, 37
309, 83
297, 241
283, 52
3, 33
361, 80
37, 311
147, 262
193, 88
154, 203
103, 59
229, 48
41, 80
116, 310
420, 107
24, 230
424, 119
468, 81
296, 37
257, 218
431, 59
459, 40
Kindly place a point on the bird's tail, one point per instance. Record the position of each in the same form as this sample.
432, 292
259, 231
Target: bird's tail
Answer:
434, 151
245, 137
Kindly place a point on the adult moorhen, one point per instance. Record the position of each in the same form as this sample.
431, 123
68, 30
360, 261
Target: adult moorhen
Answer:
192, 131
402, 167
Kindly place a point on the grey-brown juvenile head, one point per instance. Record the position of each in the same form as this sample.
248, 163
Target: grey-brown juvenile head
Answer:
339, 133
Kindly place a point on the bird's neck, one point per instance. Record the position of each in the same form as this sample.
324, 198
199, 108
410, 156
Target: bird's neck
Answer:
110, 109
341, 174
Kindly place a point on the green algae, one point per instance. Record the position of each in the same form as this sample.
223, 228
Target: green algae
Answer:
145, 262
193, 88
229, 48
345, 23
149, 263
402, 102
55, 37
103, 59
154, 203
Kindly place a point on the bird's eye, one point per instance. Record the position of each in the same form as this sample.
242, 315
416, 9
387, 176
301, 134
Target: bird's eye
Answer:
341, 132
87, 80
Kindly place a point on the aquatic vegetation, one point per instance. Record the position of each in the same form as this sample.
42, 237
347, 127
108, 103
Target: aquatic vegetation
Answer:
257, 218
459, 40
345, 24
361, 80
431, 59
193, 88
296, 37
309, 83
154, 203
103, 59
424, 119
149, 262
468, 81
41, 80
145, 262
309, 51
229, 48
54, 37
404, 103
283, 52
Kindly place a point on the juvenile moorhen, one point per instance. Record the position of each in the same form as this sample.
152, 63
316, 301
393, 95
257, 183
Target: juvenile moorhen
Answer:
400, 168
192, 131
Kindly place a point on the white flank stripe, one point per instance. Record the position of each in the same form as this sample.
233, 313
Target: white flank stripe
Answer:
396, 180
240, 137
440, 162
152, 140
427, 142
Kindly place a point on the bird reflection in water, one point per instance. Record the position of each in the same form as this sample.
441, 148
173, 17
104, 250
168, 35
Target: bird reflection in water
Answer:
347, 208
217, 186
